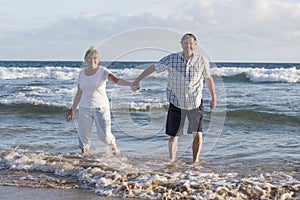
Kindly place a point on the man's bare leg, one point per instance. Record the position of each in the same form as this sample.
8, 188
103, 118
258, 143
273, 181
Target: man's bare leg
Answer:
197, 145
173, 144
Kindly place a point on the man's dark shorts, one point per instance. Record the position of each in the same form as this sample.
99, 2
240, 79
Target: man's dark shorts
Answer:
176, 119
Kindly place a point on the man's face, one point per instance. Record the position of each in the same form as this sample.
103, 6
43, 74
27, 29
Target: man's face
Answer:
188, 45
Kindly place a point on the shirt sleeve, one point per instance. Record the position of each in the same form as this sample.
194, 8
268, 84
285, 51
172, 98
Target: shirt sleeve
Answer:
106, 72
205, 63
163, 64
79, 77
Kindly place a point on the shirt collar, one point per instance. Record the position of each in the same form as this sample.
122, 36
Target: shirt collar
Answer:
190, 59
181, 54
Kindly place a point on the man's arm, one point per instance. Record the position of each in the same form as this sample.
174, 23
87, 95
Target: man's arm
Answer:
211, 86
146, 72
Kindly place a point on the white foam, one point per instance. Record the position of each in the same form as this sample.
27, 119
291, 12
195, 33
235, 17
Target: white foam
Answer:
189, 184
150, 97
290, 75
58, 73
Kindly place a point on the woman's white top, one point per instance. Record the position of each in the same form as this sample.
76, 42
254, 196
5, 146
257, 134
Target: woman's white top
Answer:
93, 88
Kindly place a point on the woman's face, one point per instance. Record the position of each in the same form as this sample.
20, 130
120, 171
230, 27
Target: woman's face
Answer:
92, 60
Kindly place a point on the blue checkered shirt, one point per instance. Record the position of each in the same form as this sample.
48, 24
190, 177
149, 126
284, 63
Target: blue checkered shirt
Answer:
185, 79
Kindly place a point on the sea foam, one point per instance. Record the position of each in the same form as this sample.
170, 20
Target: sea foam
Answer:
59, 73
163, 183
290, 75
285, 75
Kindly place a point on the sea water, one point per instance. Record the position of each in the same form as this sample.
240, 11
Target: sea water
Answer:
251, 140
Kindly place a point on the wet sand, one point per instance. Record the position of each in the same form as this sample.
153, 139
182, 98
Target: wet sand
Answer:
26, 193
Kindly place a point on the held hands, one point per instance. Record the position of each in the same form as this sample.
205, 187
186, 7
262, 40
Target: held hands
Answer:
135, 85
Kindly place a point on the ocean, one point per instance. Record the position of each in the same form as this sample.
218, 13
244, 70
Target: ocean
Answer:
251, 140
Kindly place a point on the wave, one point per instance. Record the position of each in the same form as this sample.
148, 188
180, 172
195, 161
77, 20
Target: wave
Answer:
242, 77
146, 107
56, 108
238, 74
257, 75
27, 108
263, 117
58, 73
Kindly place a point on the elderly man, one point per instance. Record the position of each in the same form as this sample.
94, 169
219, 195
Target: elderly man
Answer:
186, 71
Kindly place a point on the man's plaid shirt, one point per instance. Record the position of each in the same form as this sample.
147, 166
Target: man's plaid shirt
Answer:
185, 79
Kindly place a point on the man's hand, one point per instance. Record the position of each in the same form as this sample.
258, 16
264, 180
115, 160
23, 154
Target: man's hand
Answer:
136, 84
213, 103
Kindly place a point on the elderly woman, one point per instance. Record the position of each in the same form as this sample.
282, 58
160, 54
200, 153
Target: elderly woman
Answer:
93, 102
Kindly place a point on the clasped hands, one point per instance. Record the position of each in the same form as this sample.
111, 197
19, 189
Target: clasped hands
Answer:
135, 85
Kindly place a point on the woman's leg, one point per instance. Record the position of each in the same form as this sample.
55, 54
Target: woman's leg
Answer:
103, 124
85, 124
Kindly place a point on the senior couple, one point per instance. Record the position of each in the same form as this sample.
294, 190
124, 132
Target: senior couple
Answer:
186, 71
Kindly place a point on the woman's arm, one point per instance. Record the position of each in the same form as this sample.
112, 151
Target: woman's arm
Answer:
117, 80
77, 98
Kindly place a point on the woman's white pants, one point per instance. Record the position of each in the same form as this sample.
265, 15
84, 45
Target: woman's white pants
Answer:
101, 117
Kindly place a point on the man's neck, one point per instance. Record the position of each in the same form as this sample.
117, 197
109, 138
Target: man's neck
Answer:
187, 56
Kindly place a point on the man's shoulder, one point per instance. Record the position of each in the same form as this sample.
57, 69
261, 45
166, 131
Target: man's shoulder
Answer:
200, 57
175, 54
178, 54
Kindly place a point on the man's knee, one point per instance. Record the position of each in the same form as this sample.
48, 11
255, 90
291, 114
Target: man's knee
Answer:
173, 139
197, 135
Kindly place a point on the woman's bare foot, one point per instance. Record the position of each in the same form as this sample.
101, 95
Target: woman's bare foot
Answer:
115, 149
85, 152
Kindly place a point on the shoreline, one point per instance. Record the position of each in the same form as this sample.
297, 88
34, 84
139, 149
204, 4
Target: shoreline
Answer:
28, 193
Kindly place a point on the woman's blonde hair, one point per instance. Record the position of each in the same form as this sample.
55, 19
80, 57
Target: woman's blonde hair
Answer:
90, 51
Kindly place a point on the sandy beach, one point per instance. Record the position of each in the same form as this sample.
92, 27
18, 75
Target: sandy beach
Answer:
27, 193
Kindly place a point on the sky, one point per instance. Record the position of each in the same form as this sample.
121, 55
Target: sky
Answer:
227, 30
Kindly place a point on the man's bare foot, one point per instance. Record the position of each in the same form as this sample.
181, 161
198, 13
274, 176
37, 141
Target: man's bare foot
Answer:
85, 152
115, 149
195, 162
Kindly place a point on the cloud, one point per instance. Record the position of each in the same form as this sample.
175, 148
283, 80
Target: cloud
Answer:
229, 30
248, 29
